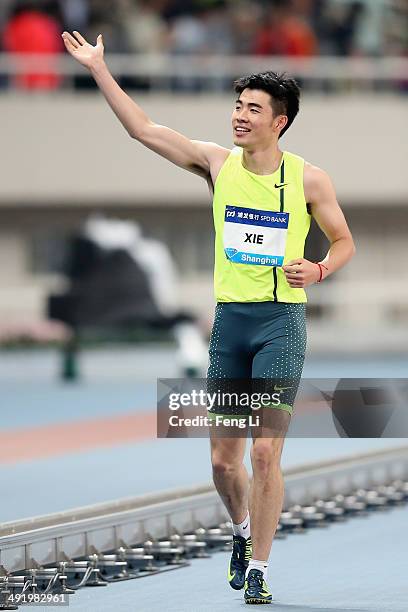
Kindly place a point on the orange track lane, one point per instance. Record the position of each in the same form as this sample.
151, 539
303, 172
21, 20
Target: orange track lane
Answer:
52, 440
64, 438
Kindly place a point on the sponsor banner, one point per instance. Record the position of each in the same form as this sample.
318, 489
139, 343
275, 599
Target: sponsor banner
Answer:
252, 216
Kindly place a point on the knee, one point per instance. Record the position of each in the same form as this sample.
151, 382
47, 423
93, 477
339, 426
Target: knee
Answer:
265, 459
222, 467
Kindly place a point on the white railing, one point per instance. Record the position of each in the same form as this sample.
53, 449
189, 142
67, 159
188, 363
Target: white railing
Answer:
52, 538
160, 70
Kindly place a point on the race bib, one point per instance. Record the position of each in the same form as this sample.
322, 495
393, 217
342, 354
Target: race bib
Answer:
256, 237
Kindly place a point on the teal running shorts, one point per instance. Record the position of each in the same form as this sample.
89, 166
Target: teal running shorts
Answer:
257, 342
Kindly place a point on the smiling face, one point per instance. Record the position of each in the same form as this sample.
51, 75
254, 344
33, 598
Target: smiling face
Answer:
253, 120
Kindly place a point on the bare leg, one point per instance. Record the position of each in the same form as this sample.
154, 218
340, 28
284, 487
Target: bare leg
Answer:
267, 488
230, 475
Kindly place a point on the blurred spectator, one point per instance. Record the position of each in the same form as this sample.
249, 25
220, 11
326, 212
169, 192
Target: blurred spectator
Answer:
297, 28
188, 33
308, 10
342, 21
245, 17
5, 7
109, 19
146, 29
188, 36
34, 28
286, 32
219, 34
396, 28
75, 14
369, 28
175, 8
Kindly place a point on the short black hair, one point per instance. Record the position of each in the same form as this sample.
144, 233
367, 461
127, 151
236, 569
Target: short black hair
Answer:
284, 92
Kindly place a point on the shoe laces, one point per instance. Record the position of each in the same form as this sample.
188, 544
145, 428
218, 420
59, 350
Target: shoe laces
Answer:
255, 578
248, 549
236, 549
242, 549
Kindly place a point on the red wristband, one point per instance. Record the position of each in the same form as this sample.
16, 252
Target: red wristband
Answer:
320, 270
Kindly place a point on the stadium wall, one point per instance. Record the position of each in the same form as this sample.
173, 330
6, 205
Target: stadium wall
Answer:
70, 149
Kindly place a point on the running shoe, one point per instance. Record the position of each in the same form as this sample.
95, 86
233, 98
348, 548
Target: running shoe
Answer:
241, 554
256, 589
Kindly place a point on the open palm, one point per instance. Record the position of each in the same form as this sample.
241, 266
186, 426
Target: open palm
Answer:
80, 49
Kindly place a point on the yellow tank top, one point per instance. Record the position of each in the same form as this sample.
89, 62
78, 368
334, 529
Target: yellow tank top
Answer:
261, 222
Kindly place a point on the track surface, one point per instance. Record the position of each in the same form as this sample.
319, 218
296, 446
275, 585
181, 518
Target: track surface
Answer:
358, 566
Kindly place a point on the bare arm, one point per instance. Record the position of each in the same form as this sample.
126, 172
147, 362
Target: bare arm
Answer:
321, 196
198, 157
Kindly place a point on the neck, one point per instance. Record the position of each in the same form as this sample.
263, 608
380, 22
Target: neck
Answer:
262, 161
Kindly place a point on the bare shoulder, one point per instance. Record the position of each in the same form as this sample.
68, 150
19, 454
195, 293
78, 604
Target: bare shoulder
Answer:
317, 183
215, 155
213, 151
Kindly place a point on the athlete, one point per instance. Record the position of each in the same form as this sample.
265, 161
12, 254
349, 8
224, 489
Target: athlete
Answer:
264, 199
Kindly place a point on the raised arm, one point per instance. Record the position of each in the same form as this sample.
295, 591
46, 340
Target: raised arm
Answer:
198, 157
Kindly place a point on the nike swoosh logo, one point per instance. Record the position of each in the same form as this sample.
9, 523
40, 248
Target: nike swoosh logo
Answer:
231, 576
281, 185
245, 526
279, 389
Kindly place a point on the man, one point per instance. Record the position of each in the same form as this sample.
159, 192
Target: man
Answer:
33, 28
263, 202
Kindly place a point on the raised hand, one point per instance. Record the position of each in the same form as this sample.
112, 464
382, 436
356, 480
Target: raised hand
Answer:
80, 49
